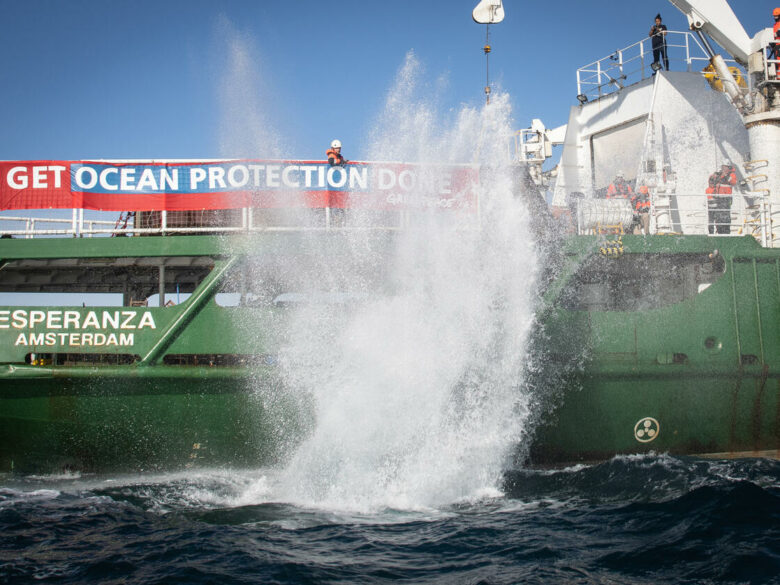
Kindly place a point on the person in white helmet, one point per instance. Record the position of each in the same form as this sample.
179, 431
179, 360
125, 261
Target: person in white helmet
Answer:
334, 154
619, 188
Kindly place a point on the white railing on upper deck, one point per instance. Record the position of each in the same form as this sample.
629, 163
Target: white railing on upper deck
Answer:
81, 223
750, 214
633, 64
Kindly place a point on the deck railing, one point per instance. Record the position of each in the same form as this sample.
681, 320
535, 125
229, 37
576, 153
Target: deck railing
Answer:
87, 224
750, 213
771, 67
635, 63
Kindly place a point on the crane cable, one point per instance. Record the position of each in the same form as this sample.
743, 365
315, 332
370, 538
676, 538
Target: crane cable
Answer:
486, 49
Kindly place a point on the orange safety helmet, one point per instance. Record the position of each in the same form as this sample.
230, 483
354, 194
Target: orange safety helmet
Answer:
643, 190
776, 12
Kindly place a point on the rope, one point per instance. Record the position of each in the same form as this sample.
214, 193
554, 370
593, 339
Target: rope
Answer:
486, 48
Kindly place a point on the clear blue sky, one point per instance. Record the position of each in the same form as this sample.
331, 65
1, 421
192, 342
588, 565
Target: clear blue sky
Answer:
176, 79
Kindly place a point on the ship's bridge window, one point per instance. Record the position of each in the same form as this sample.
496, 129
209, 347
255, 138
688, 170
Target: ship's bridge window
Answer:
635, 282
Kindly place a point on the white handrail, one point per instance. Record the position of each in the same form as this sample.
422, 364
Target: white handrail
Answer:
246, 220
632, 64
750, 213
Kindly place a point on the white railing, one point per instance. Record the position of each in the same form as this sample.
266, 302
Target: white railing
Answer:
634, 63
46, 223
85, 223
771, 68
689, 214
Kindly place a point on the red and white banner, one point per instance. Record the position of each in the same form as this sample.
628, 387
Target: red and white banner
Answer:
229, 184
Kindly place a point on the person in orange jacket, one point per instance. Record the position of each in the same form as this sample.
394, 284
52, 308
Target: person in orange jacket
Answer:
774, 48
641, 205
719, 196
333, 154
618, 188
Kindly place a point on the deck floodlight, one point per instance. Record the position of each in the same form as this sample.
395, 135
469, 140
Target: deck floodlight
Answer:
655, 66
582, 98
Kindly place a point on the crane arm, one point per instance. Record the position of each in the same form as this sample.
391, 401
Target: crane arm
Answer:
718, 21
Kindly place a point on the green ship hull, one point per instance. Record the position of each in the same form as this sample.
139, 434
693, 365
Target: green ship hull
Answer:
680, 352
670, 346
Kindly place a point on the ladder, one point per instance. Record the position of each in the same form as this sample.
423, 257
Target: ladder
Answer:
122, 222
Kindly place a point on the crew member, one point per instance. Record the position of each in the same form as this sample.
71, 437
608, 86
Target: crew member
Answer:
719, 195
711, 209
619, 188
774, 48
658, 35
334, 154
641, 204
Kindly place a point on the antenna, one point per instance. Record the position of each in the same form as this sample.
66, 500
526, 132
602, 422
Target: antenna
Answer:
488, 12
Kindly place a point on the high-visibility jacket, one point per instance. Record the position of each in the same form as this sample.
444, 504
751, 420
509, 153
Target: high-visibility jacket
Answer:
334, 157
623, 190
774, 46
720, 183
725, 181
711, 182
641, 201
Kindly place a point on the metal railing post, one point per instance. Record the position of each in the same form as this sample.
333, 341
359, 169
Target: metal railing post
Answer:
687, 52
598, 76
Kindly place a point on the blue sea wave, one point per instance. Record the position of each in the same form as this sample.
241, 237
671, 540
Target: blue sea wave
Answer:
649, 519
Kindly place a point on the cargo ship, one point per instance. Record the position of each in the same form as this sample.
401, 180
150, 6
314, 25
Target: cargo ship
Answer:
659, 342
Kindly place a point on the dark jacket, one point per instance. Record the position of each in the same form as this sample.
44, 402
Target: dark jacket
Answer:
659, 40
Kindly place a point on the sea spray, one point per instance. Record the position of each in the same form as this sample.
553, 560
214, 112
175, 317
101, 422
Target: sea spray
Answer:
277, 417
245, 93
417, 389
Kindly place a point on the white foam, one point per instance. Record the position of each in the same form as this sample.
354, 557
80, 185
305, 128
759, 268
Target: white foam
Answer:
416, 393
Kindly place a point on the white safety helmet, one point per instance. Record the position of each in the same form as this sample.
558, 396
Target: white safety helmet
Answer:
619, 175
335, 144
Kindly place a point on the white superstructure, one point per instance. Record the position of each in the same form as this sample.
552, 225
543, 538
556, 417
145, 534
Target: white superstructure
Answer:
669, 130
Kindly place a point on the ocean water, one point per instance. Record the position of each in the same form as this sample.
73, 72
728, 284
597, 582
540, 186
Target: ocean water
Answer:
649, 519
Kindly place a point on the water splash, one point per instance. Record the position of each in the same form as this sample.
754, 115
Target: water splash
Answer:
245, 93
417, 390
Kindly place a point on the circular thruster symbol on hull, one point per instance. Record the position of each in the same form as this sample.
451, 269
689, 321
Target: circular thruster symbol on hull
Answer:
646, 429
